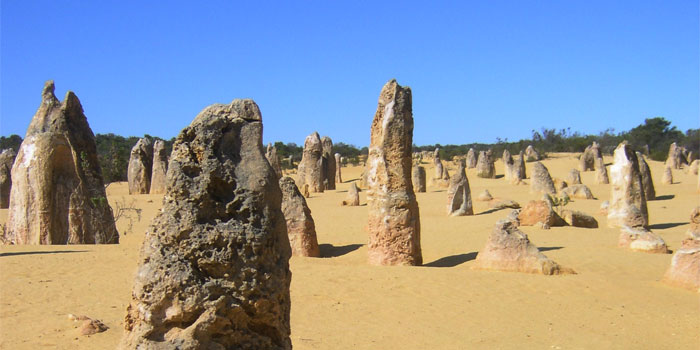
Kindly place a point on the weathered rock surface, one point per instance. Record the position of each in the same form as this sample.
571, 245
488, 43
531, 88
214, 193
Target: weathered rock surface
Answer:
685, 266
540, 213
578, 219
7, 158
531, 155
508, 165
574, 177
484, 196
628, 206
310, 168
540, 180
160, 168
471, 159
674, 157
693, 167
485, 167
601, 173
58, 195
418, 178
694, 229
509, 249
394, 220
352, 199
273, 159
645, 173
301, 229
667, 177
140, 167
641, 240
338, 165
329, 162
214, 266
503, 203
588, 157
578, 191
459, 197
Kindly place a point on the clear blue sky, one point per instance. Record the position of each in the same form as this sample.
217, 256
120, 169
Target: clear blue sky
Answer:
478, 70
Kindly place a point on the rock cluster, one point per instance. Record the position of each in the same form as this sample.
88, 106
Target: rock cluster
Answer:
509, 249
394, 220
301, 229
310, 170
140, 167
160, 168
459, 197
214, 266
58, 195
7, 159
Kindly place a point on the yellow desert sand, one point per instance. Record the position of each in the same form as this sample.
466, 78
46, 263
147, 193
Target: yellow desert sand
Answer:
615, 301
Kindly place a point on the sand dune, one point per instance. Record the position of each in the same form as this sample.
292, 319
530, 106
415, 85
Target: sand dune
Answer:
340, 302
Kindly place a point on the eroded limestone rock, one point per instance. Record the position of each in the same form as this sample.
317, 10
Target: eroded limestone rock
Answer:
574, 177
667, 177
394, 220
160, 168
459, 197
140, 167
685, 266
578, 192
578, 219
645, 173
418, 179
329, 169
310, 170
214, 266
628, 205
7, 158
485, 167
541, 181
301, 229
471, 159
531, 155
273, 159
352, 199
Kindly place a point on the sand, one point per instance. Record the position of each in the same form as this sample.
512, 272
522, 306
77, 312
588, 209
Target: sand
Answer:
340, 302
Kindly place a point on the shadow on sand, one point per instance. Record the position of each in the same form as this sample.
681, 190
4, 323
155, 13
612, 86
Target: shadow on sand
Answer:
452, 260
331, 251
42, 252
544, 249
664, 197
666, 225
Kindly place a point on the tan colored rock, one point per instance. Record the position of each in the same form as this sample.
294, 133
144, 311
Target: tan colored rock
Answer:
693, 167
7, 158
531, 155
601, 173
667, 177
418, 179
684, 271
329, 169
485, 167
645, 173
641, 240
503, 204
604, 206
140, 167
518, 170
541, 213
160, 168
628, 206
339, 164
58, 195
310, 168
541, 181
578, 192
509, 249
394, 220
579, 219
213, 270
574, 177
273, 159
559, 184
459, 197
694, 229
508, 165
471, 159
484, 196
352, 199
305, 191
92, 326
674, 157
586, 160
301, 229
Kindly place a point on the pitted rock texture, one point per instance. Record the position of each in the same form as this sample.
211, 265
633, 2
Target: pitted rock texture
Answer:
459, 197
541, 181
7, 158
214, 266
160, 168
509, 249
485, 167
301, 229
418, 178
540, 212
645, 173
310, 171
58, 195
394, 220
628, 205
140, 167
